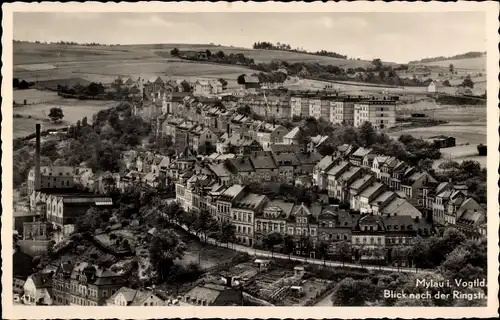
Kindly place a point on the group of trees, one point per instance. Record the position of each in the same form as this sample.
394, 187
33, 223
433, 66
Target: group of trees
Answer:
22, 84
91, 90
286, 47
217, 57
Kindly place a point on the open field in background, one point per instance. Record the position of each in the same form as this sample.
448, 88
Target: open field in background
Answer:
31, 53
33, 96
470, 114
73, 110
463, 132
471, 64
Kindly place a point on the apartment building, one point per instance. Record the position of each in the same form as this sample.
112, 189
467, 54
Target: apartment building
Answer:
342, 112
380, 113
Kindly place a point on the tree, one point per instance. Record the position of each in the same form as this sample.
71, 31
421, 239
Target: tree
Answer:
350, 292
446, 83
425, 164
272, 239
227, 233
468, 82
289, 243
245, 110
451, 67
165, 247
174, 52
367, 134
241, 79
203, 223
343, 251
209, 54
220, 55
323, 250
377, 63
56, 114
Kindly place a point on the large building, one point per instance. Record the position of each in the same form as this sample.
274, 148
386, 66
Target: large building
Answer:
84, 284
380, 113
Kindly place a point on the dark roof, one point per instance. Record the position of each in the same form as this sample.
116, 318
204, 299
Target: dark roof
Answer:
279, 148
241, 164
263, 162
42, 280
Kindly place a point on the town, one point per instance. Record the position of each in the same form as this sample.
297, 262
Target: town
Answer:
246, 191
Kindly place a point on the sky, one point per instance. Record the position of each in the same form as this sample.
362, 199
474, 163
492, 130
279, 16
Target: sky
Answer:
394, 37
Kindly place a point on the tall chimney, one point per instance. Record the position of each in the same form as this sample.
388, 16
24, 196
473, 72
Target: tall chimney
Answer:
37, 158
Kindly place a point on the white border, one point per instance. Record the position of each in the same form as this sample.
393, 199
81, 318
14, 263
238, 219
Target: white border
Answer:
491, 10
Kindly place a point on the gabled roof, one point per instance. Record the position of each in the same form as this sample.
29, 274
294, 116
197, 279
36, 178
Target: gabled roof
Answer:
263, 162
295, 133
372, 190
338, 169
400, 207
362, 152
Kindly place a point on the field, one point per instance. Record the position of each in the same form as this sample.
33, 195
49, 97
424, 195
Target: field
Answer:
33, 96
73, 111
478, 64
52, 61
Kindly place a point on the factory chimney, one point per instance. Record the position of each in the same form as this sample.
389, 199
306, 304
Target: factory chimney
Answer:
37, 158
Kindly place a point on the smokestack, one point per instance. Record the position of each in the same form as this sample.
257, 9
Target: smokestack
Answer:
37, 158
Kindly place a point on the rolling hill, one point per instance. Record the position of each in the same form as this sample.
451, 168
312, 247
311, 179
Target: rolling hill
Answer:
469, 61
36, 53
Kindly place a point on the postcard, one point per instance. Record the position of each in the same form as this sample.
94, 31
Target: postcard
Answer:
250, 160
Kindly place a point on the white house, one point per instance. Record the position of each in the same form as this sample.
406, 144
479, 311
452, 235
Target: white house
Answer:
37, 289
131, 297
432, 88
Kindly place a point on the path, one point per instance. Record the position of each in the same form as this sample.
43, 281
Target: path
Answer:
326, 301
267, 254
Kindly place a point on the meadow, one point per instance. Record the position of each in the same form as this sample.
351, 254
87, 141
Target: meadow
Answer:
33, 96
478, 63
73, 110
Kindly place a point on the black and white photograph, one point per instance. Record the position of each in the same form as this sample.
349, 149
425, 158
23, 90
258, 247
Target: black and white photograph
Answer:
196, 159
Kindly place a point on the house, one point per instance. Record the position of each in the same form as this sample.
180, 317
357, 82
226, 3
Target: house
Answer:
320, 171
132, 297
288, 164
213, 295
91, 285
264, 166
341, 191
470, 218
295, 136
201, 136
361, 202
302, 224
251, 82
308, 161
359, 155
334, 225
448, 198
272, 218
412, 185
345, 151
357, 187
243, 212
432, 87
332, 177
241, 168
369, 233
202, 88
388, 204
60, 283
38, 289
